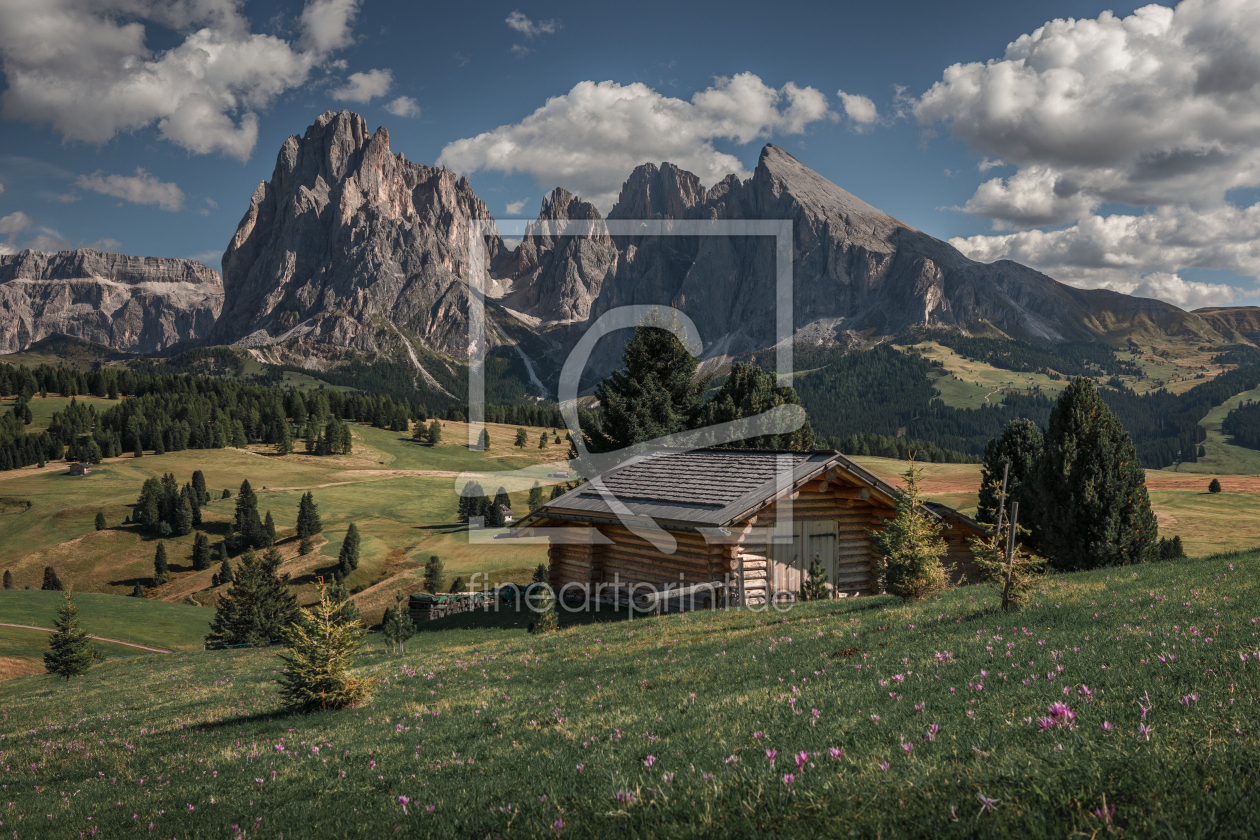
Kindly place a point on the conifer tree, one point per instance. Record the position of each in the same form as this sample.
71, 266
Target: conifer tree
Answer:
161, 573
269, 529
485, 440
1020, 445
308, 522
248, 525
139, 450
502, 500
1092, 508
100, 521
70, 652
137, 591
535, 497
8, 579
194, 502
225, 575
347, 609
199, 486
397, 624
543, 601
910, 547
542, 440
348, 557
1214, 486
435, 432
815, 586
321, 651
258, 606
557, 490
433, 574
522, 438
1001, 560
200, 552
655, 394
540, 573
51, 582
748, 392
183, 516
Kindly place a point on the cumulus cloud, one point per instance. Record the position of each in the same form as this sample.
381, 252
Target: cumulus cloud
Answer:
590, 138
858, 108
403, 106
84, 67
14, 222
530, 28
513, 207
1144, 251
1160, 109
141, 188
364, 87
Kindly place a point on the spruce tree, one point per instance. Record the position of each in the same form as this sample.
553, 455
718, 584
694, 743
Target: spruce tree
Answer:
748, 392
540, 574
139, 450
522, 438
502, 500
457, 586
244, 614
433, 574
542, 440
308, 522
546, 614
8, 579
485, 440
1020, 445
535, 497
435, 432
70, 650
1092, 508
248, 526
1001, 561
348, 557
910, 547
1214, 486
655, 394
201, 552
269, 529
52, 583
277, 604
557, 490
397, 624
100, 521
321, 651
199, 486
161, 573
815, 586
183, 516
347, 609
225, 575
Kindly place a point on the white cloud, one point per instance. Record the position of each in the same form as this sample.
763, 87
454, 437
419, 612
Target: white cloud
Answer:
1123, 252
590, 138
211, 202
530, 28
84, 67
858, 108
403, 106
14, 222
364, 87
1160, 109
519, 51
513, 207
141, 188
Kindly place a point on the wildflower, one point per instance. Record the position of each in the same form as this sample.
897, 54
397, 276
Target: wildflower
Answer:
875, 718
668, 777
907, 747
930, 735
625, 797
758, 735
649, 761
802, 758
986, 804
770, 754
729, 760
837, 753
558, 826
788, 778
1105, 813
884, 765
402, 800
1106, 725
1145, 730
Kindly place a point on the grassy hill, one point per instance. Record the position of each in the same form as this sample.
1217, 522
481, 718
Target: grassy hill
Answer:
859, 717
136, 620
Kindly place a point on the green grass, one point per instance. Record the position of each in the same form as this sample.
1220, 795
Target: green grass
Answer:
43, 408
1223, 458
22, 651
489, 731
138, 620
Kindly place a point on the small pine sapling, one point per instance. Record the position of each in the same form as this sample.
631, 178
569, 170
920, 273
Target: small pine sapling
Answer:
540, 573
910, 547
547, 614
398, 626
52, 583
321, 650
1001, 560
815, 586
100, 521
70, 650
1214, 486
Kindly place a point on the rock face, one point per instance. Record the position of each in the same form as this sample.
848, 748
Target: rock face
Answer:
139, 304
350, 246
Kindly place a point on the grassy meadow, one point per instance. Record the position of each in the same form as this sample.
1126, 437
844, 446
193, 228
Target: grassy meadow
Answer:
1121, 702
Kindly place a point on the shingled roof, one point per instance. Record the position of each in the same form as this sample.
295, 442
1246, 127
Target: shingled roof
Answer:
702, 488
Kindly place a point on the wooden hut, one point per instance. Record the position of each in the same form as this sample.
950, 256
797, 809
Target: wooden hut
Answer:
749, 521
80, 468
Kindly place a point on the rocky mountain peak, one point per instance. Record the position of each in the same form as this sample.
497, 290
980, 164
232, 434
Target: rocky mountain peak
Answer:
664, 192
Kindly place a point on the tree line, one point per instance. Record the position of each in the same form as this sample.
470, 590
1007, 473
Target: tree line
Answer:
1243, 423
1070, 358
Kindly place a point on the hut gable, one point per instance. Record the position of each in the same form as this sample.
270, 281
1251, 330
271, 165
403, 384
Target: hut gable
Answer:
722, 509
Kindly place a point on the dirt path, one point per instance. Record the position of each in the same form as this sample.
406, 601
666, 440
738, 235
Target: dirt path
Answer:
98, 638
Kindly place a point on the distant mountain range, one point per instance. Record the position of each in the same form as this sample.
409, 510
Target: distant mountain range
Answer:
352, 250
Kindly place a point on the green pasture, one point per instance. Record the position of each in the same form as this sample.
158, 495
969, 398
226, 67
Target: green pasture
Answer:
859, 717
138, 620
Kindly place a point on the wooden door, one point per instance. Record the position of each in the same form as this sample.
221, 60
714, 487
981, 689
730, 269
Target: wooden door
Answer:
790, 561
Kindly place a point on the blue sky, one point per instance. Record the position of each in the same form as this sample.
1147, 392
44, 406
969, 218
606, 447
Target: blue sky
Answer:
1112, 150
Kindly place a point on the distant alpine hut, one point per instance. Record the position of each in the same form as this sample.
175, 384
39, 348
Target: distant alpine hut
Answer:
80, 468
720, 509
508, 516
